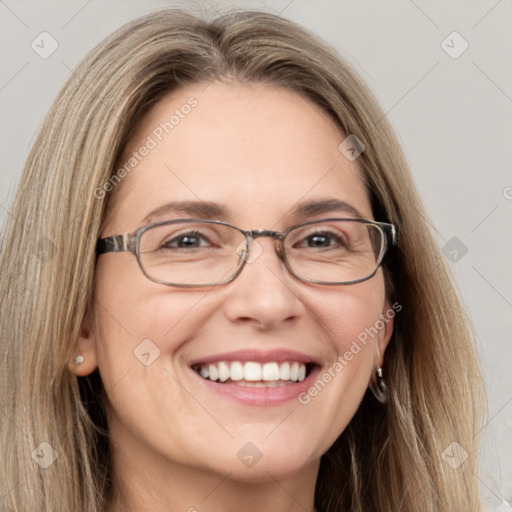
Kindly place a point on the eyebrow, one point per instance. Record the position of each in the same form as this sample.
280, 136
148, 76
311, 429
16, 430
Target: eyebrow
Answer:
210, 210
325, 206
196, 209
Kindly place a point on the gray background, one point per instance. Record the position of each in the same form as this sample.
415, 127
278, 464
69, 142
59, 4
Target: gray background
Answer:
453, 117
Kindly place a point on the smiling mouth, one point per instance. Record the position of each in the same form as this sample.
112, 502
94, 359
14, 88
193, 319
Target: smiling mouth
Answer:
254, 374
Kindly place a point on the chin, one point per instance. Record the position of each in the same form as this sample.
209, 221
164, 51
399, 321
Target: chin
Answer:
263, 460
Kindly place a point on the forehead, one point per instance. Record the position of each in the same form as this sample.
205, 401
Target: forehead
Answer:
256, 149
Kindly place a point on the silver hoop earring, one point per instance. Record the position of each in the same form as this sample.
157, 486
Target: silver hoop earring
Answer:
378, 386
79, 359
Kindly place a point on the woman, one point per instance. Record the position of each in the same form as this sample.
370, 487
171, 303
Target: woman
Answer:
220, 291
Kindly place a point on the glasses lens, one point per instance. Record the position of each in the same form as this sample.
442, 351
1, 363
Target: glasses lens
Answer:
191, 253
337, 251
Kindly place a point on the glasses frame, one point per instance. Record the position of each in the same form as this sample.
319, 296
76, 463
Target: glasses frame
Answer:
130, 242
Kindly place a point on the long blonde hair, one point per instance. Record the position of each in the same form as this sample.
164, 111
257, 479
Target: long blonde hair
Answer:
389, 458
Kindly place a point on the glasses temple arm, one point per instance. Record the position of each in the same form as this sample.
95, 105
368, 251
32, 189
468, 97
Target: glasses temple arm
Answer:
116, 243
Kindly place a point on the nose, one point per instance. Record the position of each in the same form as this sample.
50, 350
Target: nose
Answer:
264, 295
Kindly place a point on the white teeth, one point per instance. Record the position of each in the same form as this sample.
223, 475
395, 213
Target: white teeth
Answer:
294, 372
237, 371
271, 371
223, 371
214, 372
284, 371
302, 373
254, 374
252, 371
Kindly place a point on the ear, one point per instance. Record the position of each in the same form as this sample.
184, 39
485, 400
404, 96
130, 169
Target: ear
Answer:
85, 347
387, 317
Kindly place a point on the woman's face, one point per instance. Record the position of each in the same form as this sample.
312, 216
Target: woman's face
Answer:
258, 152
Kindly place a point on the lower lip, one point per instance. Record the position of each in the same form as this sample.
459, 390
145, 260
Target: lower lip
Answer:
261, 396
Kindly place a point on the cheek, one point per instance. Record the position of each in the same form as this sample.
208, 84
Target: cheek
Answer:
135, 317
351, 321
140, 326
352, 314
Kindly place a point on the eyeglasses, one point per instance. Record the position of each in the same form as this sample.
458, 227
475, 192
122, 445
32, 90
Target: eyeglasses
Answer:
196, 252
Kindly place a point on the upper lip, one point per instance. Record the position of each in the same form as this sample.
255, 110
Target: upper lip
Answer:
258, 356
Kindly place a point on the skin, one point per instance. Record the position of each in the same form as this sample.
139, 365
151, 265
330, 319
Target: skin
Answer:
257, 149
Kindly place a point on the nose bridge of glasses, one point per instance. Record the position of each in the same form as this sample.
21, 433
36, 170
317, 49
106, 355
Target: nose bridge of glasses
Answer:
259, 233
255, 233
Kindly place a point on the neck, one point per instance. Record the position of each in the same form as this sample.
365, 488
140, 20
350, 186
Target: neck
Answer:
186, 491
